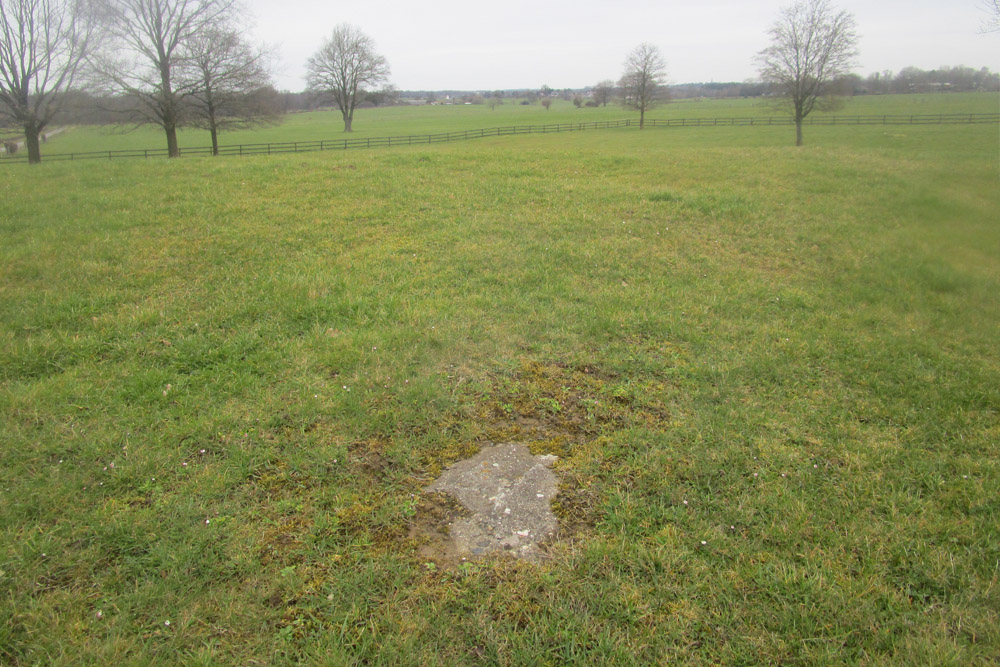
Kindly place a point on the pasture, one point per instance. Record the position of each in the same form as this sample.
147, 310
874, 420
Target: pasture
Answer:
400, 121
771, 376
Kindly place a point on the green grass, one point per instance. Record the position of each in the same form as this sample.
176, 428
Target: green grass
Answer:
771, 375
400, 121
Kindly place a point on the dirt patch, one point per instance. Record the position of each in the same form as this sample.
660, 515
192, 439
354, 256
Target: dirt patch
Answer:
431, 527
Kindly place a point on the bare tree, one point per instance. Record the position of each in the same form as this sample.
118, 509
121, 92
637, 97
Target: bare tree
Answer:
604, 92
812, 45
223, 73
43, 48
547, 102
150, 36
992, 22
642, 84
343, 66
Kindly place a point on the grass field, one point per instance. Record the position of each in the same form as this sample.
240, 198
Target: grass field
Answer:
771, 375
400, 121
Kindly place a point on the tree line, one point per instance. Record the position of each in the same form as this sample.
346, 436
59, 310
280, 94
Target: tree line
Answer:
177, 63
166, 62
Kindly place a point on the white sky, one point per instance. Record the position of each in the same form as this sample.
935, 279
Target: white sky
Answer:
463, 45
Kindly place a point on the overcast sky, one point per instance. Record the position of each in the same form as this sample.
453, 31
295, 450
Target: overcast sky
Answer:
463, 45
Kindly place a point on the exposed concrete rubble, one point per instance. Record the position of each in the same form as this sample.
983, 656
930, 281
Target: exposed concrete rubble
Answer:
507, 493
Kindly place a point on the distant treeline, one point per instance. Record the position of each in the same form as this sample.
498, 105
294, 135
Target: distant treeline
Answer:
908, 80
915, 80
83, 108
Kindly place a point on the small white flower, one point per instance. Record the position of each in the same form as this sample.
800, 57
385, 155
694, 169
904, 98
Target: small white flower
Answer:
167, 622
703, 543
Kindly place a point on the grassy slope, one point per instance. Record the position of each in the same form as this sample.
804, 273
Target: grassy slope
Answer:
771, 375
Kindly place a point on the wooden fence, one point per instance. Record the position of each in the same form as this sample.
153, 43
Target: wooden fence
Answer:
465, 135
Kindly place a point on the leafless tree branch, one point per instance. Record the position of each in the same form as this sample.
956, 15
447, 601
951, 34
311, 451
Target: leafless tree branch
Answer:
44, 45
227, 78
147, 51
811, 46
343, 66
992, 22
642, 84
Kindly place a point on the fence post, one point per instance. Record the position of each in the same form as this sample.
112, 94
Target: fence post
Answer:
884, 119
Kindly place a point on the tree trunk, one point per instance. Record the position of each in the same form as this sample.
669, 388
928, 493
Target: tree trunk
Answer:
169, 106
642, 117
172, 149
798, 131
32, 144
348, 118
213, 124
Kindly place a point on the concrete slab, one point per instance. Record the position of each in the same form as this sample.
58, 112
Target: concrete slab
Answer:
507, 494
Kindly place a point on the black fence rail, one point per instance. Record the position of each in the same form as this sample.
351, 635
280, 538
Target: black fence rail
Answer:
884, 119
465, 135
413, 139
